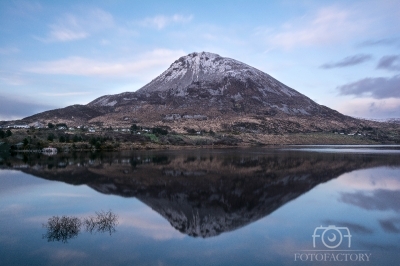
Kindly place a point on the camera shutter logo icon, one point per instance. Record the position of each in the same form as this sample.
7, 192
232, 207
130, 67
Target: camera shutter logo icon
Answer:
331, 236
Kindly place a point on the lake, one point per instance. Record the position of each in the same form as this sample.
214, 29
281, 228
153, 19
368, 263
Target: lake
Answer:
292, 205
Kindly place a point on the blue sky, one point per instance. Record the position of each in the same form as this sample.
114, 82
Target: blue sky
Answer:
342, 54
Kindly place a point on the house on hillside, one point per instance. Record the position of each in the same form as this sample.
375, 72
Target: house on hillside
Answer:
49, 151
19, 126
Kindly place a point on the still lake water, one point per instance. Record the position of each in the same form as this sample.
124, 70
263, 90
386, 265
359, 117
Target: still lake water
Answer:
303, 205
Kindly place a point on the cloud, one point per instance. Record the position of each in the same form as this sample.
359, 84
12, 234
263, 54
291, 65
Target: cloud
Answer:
67, 255
371, 179
380, 42
391, 225
71, 27
160, 22
349, 61
150, 225
63, 195
12, 108
58, 94
378, 88
357, 228
65, 33
390, 62
328, 26
81, 66
380, 199
11, 78
370, 107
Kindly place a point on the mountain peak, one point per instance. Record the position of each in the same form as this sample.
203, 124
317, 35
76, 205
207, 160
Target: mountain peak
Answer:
191, 68
210, 81
206, 90
214, 70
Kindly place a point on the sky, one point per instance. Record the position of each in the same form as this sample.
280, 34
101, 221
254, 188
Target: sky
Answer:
341, 54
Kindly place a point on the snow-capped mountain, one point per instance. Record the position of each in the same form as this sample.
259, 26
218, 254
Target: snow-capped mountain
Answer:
206, 91
209, 80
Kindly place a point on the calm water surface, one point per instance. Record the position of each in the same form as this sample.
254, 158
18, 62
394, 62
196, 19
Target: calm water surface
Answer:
315, 205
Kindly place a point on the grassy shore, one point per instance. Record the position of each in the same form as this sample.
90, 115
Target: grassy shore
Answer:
36, 139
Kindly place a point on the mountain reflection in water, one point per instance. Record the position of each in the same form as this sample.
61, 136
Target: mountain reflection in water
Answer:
201, 193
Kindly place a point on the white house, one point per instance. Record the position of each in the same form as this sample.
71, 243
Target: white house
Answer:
49, 151
20, 126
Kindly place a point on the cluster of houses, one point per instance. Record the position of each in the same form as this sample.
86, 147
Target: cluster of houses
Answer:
17, 126
350, 134
90, 129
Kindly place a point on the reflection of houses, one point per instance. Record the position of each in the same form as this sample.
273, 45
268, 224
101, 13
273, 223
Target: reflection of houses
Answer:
19, 145
49, 151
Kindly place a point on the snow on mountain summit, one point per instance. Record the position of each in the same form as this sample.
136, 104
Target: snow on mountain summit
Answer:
212, 68
208, 85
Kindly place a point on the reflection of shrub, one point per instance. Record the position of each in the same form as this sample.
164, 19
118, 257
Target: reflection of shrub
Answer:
102, 222
64, 228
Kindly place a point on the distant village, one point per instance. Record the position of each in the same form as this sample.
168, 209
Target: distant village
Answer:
38, 137
134, 128
52, 138
83, 128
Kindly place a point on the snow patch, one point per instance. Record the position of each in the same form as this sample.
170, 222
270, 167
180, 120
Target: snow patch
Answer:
237, 97
111, 103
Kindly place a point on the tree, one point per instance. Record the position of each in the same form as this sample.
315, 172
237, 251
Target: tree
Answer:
98, 145
76, 138
191, 131
161, 131
2, 134
8, 133
50, 125
62, 139
50, 137
26, 142
93, 141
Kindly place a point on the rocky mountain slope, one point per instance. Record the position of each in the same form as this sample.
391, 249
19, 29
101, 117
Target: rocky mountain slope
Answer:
205, 91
